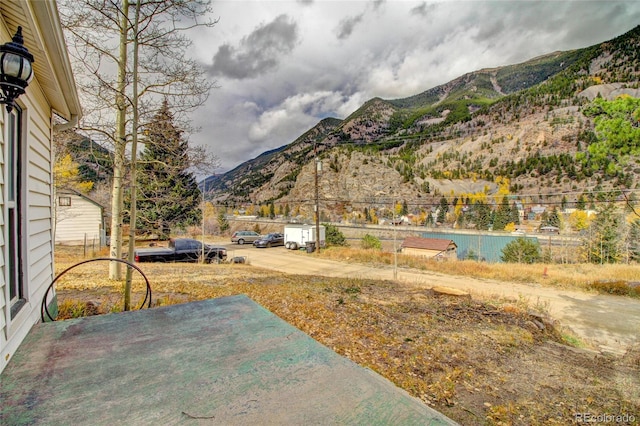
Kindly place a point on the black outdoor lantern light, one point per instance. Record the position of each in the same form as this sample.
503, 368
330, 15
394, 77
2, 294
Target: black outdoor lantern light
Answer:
15, 70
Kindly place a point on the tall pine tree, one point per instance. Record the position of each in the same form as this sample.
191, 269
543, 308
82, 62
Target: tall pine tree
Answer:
602, 242
443, 210
168, 195
515, 214
481, 214
633, 241
503, 215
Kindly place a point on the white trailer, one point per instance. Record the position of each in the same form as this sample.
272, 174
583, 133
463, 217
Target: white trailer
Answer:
297, 236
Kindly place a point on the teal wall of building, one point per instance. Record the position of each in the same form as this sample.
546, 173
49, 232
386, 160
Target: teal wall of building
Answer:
484, 247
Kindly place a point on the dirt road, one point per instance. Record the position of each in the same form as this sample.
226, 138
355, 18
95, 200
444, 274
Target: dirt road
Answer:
608, 323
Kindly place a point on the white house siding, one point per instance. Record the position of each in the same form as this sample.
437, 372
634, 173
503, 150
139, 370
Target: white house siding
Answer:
82, 219
51, 90
39, 202
37, 227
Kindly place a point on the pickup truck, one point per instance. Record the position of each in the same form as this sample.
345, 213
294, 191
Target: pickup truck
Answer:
181, 250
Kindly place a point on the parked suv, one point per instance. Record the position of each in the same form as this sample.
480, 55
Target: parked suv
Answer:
242, 237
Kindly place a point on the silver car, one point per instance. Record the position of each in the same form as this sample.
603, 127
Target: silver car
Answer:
242, 237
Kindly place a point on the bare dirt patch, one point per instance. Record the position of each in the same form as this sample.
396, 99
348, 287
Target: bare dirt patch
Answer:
476, 362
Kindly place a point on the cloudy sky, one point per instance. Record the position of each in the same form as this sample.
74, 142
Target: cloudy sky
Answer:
281, 66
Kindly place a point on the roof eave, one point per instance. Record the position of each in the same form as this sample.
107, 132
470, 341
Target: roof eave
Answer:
43, 36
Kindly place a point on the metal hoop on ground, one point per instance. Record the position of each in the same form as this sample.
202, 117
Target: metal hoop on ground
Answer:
147, 297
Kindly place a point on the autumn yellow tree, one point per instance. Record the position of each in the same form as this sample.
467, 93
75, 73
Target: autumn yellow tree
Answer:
503, 188
66, 175
209, 209
457, 209
397, 208
579, 220
373, 216
510, 227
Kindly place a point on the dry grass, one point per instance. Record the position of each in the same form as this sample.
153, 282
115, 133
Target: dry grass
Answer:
576, 276
476, 362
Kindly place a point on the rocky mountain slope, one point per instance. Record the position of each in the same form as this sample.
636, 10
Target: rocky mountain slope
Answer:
518, 126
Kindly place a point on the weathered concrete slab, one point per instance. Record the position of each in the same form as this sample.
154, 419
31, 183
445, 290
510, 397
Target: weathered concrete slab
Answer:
221, 361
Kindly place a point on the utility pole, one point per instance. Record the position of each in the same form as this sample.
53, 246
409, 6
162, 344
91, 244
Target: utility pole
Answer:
395, 237
204, 183
317, 206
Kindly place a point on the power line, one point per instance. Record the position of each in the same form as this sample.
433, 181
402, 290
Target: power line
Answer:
419, 203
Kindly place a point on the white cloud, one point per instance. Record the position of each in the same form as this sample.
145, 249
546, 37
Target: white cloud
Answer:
286, 119
284, 65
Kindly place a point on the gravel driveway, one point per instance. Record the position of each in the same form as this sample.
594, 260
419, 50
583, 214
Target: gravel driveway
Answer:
608, 323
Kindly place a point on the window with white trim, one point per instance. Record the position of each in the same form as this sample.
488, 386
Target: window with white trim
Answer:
14, 212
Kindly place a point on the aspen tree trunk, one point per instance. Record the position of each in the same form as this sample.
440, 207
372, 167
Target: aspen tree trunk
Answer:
134, 157
115, 249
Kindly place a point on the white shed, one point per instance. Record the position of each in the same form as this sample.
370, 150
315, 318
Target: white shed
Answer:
26, 167
79, 219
